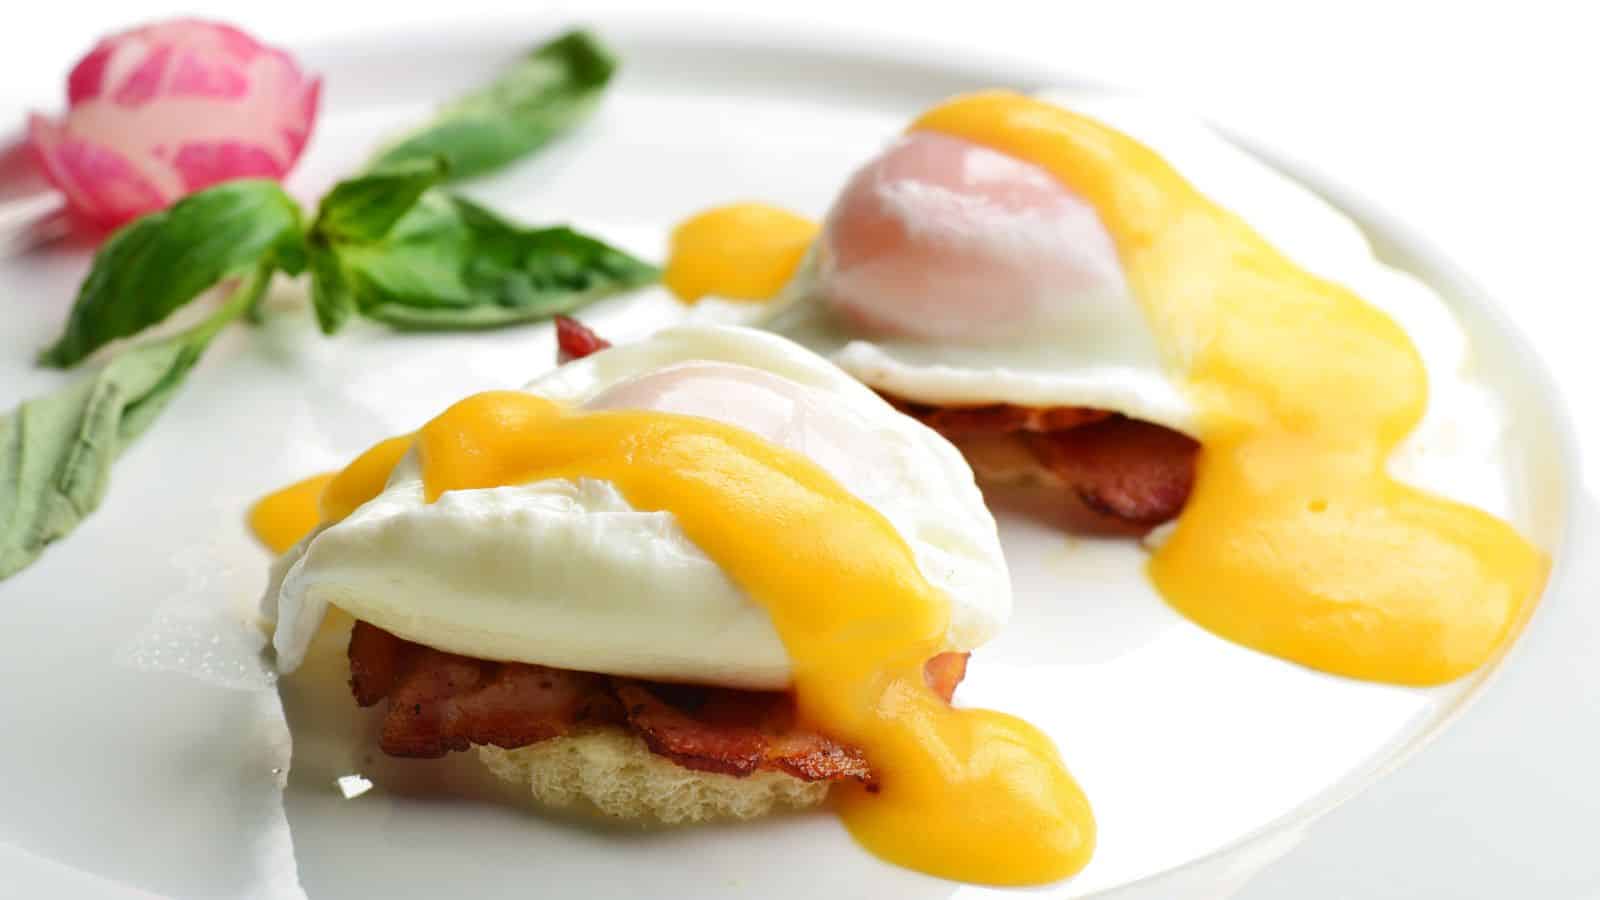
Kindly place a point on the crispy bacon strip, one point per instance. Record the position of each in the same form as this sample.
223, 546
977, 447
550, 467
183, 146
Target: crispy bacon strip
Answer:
996, 418
574, 340
1123, 468
439, 702
1126, 471
377, 660
734, 732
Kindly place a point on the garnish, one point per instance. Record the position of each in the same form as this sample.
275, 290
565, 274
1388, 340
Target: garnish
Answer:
451, 264
158, 263
56, 451
542, 95
159, 111
358, 212
575, 340
390, 245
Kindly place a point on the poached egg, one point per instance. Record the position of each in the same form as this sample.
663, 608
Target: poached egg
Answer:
1067, 251
714, 505
565, 573
948, 272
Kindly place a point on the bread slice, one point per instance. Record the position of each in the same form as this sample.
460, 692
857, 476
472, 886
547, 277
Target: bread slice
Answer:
611, 771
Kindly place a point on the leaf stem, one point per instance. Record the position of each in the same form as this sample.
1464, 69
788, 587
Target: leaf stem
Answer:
241, 300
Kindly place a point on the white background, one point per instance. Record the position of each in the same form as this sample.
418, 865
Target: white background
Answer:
1479, 123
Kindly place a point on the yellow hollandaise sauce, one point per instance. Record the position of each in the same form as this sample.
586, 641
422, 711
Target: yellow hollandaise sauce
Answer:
285, 516
746, 251
967, 794
1295, 540
280, 519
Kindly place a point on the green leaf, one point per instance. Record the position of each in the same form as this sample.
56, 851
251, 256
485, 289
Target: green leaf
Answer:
545, 93
451, 264
366, 207
386, 245
56, 451
360, 210
157, 263
330, 289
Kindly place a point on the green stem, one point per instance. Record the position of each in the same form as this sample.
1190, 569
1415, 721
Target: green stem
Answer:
241, 301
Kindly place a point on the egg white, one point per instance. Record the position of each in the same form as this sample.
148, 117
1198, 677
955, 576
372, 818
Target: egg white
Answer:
565, 573
1115, 363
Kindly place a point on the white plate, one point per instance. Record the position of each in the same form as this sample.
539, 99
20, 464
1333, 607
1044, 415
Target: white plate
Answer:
148, 750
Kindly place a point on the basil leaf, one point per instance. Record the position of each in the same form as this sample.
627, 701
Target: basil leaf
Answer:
366, 207
451, 264
545, 93
161, 261
363, 209
330, 289
56, 451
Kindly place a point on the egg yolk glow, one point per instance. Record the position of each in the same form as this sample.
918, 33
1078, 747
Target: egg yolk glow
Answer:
1295, 540
746, 251
972, 795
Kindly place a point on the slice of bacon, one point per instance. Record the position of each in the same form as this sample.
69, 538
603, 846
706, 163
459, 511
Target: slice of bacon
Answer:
1125, 471
574, 340
439, 702
995, 418
443, 702
1123, 468
377, 661
734, 732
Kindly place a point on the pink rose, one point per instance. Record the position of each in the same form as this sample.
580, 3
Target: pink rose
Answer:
160, 111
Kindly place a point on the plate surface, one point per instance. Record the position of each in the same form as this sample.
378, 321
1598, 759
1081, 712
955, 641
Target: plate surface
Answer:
145, 722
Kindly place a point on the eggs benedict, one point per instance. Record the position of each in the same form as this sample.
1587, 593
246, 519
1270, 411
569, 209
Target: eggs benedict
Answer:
1064, 303
705, 574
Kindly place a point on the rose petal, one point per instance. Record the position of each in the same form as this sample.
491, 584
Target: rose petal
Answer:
202, 165
196, 78
300, 132
142, 84
100, 183
85, 81
174, 107
240, 45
